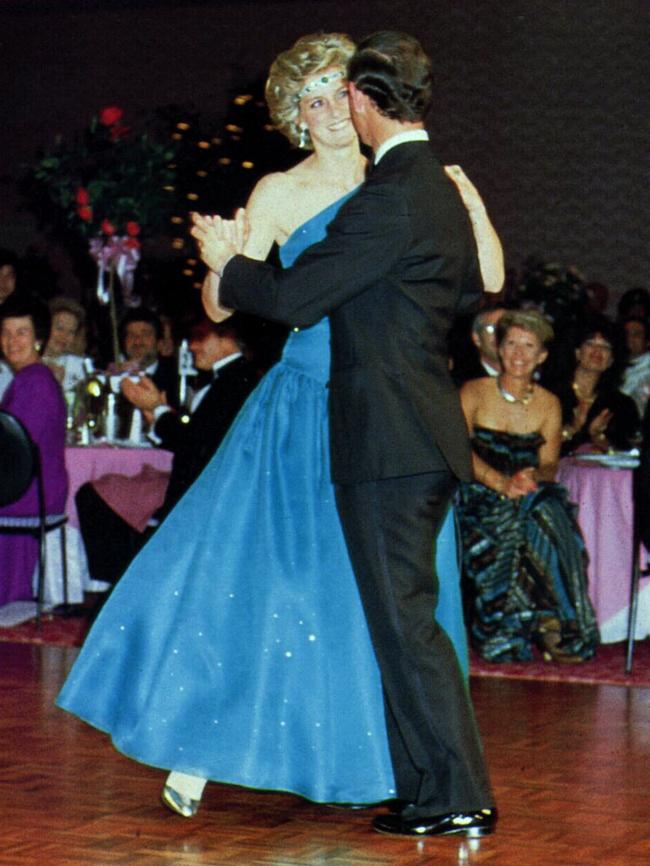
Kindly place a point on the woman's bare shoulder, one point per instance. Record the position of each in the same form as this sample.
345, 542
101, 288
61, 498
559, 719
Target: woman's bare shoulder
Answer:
270, 188
476, 388
548, 400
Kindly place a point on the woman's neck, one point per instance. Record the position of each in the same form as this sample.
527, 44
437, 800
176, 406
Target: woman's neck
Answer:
585, 383
518, 386
344, 166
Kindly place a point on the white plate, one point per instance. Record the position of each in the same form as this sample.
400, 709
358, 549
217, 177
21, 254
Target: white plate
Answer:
613, 461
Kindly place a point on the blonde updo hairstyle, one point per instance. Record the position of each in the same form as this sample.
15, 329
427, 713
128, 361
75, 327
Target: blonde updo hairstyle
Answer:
528, 320
289, 71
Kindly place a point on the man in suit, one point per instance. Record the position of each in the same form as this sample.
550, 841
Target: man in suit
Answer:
141, 335
481, 359
398, 263
111, 541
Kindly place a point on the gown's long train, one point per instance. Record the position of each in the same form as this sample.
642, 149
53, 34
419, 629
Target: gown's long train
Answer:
235, 647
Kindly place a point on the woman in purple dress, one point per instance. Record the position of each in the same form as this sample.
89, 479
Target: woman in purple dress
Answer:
35, 398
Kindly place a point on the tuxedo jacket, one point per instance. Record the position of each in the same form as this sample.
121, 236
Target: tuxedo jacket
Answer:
398, 263
194, 442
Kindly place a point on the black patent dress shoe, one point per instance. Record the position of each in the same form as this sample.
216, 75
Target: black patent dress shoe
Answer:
472, 824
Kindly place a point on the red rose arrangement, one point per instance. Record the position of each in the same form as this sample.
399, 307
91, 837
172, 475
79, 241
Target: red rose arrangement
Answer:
110, 182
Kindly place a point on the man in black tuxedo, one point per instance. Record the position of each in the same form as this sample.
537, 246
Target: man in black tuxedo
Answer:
111, 542
141, 334
398, 263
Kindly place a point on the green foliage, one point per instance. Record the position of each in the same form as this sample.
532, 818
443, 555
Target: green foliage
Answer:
108, 173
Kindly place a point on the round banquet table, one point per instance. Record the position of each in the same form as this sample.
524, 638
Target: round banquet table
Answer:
87, 463
605, 515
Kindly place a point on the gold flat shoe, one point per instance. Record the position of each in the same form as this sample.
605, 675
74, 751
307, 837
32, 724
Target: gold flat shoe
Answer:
181, 805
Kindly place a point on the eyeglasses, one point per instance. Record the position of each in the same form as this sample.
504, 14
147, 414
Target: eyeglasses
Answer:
595, 344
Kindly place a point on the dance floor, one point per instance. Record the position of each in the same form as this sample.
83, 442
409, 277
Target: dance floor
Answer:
570, 765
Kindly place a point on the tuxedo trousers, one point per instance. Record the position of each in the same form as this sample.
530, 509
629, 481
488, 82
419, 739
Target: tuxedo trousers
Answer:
390, 527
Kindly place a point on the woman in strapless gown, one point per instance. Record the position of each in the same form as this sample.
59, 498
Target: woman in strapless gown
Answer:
524, 558
235, 647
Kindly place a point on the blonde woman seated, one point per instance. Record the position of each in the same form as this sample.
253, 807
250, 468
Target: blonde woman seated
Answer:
523, 554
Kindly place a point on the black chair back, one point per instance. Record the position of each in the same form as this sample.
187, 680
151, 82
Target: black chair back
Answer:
18, 459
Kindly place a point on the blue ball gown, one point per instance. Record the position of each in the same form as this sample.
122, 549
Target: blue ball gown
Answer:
235, 647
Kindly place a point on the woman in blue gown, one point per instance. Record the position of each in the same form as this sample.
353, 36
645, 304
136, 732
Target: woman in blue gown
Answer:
235, 647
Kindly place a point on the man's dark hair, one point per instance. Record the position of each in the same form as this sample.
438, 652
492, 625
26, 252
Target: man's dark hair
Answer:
230, 327
393, 70
140, 314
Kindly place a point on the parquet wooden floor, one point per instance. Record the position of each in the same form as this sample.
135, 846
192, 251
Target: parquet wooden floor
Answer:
570, 766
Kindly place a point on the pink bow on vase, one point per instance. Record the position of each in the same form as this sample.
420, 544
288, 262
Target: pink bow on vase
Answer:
119, 254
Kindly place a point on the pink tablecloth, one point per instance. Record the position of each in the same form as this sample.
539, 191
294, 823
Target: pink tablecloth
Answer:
91, 462
604, 499
87, 464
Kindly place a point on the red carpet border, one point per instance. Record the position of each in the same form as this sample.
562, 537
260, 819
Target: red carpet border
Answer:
607, 668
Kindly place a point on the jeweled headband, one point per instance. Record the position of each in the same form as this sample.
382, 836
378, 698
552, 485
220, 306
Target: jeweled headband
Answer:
320, 82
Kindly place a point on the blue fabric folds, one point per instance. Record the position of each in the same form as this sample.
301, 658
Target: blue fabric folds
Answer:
235, 646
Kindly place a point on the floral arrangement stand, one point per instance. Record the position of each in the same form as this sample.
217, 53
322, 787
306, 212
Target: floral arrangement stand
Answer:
110, 186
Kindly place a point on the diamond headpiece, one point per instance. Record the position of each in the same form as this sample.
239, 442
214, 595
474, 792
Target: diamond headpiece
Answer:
320, 82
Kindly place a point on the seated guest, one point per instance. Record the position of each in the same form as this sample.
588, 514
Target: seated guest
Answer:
636, 376
110, 538
68, 317
34, 397
594, 411
8, 274
481, 358
523, 555
140, 334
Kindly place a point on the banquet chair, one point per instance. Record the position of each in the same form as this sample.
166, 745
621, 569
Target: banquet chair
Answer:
20, 464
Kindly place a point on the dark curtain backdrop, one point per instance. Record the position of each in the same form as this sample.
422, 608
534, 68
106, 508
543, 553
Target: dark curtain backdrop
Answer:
544, 102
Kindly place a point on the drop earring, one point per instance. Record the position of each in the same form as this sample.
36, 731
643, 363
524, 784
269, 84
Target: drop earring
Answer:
303, 137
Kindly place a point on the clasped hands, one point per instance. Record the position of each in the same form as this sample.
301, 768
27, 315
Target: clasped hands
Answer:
219, 240
520, 484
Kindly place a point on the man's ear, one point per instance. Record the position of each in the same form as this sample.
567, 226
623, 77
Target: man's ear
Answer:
357, 98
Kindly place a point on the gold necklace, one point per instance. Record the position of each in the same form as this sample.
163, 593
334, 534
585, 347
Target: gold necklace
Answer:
580, 396
511, 398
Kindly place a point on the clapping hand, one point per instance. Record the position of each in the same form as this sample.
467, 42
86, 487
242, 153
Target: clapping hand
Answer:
219, 240
144, 395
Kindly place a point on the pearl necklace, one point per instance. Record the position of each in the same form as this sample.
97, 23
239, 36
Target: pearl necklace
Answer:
511, 398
